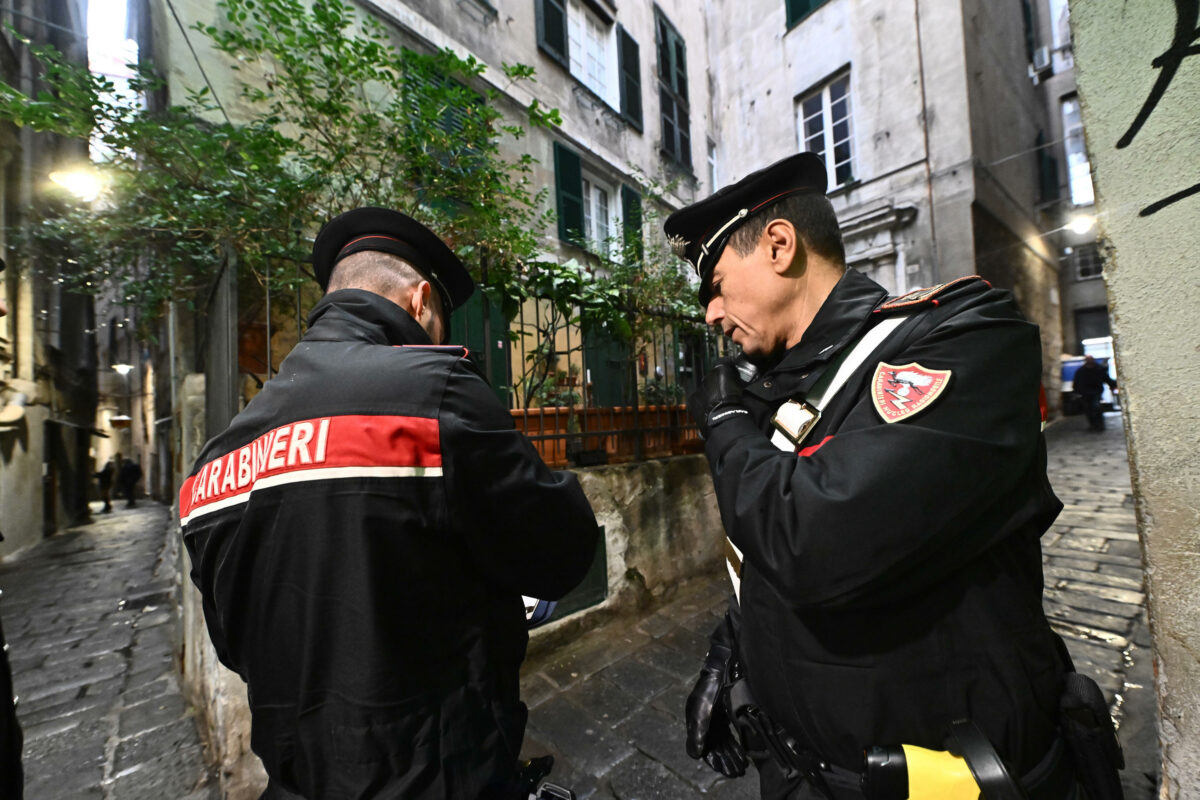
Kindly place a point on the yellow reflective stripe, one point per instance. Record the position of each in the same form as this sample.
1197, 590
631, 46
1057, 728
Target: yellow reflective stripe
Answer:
938, 775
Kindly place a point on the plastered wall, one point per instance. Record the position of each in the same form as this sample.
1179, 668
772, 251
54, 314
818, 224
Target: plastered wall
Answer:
1152, 230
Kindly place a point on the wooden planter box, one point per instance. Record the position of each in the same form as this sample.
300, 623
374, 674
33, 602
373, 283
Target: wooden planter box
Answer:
608, 435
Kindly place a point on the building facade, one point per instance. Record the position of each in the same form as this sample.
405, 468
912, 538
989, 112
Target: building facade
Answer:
931, 124
47, 342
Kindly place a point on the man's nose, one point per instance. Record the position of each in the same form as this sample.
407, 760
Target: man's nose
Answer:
715, 311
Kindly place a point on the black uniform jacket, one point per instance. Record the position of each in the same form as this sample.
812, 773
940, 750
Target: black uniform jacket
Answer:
361, 535
892, 577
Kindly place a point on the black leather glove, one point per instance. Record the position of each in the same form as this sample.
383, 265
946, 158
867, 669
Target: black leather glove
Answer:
718, 398
709, 735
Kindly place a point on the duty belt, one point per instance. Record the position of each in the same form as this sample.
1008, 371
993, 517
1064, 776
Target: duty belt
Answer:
1050, 779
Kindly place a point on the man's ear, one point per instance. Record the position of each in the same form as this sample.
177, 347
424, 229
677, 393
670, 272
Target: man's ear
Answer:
783, 245
418, 301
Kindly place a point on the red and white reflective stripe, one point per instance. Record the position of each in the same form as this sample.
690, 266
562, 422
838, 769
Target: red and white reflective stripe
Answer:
323, 448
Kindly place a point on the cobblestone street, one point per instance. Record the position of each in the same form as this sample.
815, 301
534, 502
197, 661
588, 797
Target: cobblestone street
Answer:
88, 621
610, 705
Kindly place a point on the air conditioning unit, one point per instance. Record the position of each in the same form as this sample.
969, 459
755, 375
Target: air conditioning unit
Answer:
1041, 64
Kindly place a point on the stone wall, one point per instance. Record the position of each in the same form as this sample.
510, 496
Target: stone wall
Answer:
1139, 90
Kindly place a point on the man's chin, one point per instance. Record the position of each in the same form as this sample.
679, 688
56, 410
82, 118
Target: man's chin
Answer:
761, 358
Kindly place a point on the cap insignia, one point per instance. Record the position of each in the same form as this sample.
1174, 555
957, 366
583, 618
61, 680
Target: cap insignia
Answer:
678, 245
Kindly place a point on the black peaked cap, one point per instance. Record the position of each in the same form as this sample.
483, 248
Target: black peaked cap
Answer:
699, 232
390, 231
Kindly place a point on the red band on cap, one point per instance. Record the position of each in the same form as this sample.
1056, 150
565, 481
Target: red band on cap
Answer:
370, 236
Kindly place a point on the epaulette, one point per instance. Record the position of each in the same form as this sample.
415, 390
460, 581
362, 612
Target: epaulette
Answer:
456, 350
921, 297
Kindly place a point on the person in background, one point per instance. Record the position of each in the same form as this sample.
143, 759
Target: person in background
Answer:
1089, 385
104, 478
127, 479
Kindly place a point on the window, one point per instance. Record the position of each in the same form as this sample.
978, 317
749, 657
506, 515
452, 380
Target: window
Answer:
599, 230
823, 124
799, 9
1060, 21
592, 47
1085, 261
600, 55
588, 211
1079, 169
673, 92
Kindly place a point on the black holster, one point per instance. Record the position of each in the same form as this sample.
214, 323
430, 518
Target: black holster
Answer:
762, 738
1090, 738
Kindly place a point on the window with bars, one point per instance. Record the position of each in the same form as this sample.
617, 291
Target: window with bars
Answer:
1085, 259
824, 127
799, 9
673, 91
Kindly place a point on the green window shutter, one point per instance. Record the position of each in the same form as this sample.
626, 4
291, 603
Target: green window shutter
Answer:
568, 184
629, 67
552, 29
799, 9
631, 213
679, 63
663, 44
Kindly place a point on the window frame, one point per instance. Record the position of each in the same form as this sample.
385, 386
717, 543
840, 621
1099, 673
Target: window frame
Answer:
582, 19
594, 183
828, 152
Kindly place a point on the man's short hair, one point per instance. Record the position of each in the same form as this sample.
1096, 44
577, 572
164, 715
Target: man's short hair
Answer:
812, 216
375, 271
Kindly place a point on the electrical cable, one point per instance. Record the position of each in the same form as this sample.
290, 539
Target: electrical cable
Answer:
211, 88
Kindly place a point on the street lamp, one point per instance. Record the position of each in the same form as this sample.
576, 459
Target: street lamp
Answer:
1081, 224
85, 183
123, 420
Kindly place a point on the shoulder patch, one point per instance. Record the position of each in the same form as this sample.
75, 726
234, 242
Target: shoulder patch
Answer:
902, 391
924, 296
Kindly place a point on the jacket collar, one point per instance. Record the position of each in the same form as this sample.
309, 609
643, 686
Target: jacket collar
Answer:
843, 316
362, 316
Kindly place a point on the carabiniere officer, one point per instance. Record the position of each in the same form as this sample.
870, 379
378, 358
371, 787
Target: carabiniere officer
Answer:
882, 482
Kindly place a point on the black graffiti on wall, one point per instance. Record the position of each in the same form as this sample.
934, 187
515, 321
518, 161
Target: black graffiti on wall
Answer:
1184, 44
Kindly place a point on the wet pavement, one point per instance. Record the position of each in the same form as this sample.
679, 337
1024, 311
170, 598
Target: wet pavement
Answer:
90, 627
88, 620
